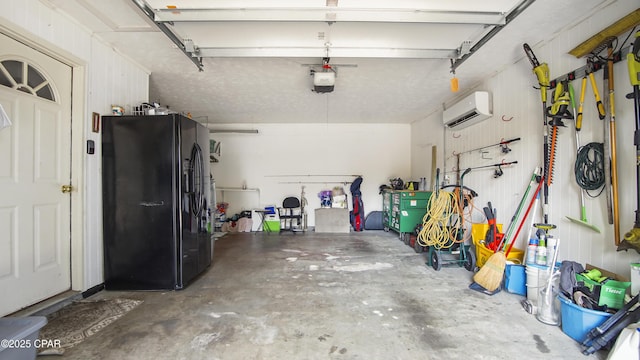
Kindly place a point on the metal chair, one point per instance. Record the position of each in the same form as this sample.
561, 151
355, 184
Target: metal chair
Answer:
289, 212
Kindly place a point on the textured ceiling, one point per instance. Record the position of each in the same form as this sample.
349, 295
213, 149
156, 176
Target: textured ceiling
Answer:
275, 88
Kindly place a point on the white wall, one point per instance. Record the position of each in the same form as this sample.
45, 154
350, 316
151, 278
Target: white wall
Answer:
112, 80
425, 135
267, 160
107, 78
515, 99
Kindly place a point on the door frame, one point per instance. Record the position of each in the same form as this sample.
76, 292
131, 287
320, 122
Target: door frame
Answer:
78, 128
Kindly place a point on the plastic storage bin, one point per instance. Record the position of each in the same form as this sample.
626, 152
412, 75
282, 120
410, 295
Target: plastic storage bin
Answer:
578, 321
515, 279
483, 254
479, 231
272, 225
21, 334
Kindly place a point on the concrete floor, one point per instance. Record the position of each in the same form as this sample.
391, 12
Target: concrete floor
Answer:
324, 296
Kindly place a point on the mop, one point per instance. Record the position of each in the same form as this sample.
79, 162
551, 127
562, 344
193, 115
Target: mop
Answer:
547, 300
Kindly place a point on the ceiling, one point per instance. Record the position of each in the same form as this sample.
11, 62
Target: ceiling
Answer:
250, 61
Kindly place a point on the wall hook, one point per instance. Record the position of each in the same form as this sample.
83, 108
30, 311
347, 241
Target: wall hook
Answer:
456, 135
505, 119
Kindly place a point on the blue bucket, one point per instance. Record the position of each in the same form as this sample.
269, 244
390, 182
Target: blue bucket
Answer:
515, 279
578, 321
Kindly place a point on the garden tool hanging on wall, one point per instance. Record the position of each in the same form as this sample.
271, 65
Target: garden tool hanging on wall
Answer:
589, 165
611, 125
578, 126
558, 111
632, 237
592, 79
542, 73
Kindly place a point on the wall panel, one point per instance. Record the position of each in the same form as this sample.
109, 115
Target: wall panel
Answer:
110, 79
269, 160
514, 96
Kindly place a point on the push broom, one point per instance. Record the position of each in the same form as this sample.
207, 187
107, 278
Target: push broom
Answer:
490, 274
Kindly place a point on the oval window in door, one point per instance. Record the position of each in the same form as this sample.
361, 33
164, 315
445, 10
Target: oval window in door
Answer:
198, 181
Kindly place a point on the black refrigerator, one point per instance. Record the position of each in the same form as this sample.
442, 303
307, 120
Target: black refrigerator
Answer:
155, 187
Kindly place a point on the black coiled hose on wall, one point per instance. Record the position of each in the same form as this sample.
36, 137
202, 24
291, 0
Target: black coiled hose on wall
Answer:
589, 167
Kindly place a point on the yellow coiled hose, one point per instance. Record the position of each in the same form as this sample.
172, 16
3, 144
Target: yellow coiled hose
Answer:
442, 222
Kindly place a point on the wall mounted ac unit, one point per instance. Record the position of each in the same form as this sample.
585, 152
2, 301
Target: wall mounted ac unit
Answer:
468, 111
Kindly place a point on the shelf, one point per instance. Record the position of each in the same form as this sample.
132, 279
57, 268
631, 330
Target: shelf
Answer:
237, 189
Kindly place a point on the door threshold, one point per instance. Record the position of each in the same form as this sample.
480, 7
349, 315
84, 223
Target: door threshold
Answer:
49, 305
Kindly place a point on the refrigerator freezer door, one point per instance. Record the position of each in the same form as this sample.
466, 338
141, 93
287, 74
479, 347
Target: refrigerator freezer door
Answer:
155, 184
140, 175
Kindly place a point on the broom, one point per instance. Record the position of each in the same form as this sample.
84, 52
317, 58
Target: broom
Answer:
490, 274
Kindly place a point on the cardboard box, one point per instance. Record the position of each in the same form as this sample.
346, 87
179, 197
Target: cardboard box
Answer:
610, 292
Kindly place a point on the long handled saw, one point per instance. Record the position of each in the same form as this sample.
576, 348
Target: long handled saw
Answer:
542, 73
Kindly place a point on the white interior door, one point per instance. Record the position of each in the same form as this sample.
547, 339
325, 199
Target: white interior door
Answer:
35, 162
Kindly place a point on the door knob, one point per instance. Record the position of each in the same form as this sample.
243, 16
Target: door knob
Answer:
66, 189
